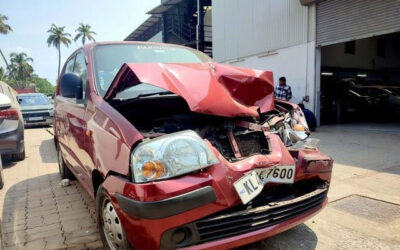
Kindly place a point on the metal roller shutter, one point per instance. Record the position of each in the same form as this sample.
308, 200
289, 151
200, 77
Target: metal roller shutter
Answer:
345, 20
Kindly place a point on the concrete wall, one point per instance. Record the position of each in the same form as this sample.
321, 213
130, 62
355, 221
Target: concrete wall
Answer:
243, 28
296, 63
365, 54
269, 35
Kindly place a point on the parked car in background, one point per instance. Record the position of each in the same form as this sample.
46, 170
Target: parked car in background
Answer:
36, 109
12, 143
180, 151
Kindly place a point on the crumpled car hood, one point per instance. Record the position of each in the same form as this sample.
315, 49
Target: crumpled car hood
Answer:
208, 88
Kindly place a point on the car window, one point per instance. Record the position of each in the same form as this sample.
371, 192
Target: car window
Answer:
69, 68
70, 65
80, 69
33, 100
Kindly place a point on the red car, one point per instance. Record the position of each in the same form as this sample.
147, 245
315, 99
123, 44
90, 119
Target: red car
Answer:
182, 152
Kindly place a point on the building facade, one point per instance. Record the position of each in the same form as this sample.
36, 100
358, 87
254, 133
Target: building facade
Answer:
300, 39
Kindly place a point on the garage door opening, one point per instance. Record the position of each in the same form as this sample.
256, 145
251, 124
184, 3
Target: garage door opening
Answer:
360, 80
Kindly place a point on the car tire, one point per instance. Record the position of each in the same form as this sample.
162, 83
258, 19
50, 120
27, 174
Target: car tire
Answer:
65, 173
19, 156
111, 231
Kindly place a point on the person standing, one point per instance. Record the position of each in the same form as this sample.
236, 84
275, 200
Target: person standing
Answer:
283, 91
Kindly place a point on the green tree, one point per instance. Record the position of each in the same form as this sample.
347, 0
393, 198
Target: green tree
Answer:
84, 31
2, 74
42, 85
57, 37
20, 69
4, 29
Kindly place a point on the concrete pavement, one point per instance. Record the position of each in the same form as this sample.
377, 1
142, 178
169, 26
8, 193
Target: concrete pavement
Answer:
363, 212
37, 213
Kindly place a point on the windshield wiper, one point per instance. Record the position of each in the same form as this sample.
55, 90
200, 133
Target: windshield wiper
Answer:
146, 95
152, 94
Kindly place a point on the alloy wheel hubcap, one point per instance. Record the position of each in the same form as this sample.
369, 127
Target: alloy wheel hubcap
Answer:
112, 227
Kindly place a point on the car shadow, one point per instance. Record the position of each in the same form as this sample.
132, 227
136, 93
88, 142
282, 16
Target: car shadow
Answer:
47, 151
7, 162
37, 126
300, 237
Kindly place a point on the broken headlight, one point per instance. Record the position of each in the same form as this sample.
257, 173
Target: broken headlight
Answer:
170, 155
298, 121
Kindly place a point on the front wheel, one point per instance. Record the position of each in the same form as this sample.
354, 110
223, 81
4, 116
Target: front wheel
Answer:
110, 227
65, 173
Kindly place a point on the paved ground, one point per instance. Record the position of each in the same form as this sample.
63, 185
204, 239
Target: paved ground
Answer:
37, 213
363, 213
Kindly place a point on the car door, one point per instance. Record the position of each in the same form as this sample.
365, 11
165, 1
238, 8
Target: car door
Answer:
78, 125
61, 105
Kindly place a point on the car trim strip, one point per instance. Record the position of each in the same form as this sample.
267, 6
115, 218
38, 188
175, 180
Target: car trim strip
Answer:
168, 207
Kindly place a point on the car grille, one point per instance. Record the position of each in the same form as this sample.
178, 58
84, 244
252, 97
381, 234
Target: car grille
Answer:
261, 213
39, 114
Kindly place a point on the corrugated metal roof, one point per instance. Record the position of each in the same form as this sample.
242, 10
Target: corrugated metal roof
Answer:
143, 27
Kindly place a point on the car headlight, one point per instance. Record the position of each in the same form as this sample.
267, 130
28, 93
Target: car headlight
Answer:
298, 121
170, 155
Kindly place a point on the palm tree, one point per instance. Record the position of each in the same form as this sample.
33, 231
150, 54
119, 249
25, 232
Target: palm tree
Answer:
2, 73
84, 32
20, 68
4, 29
57, 37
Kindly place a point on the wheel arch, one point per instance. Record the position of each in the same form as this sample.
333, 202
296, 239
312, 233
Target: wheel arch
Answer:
97, 180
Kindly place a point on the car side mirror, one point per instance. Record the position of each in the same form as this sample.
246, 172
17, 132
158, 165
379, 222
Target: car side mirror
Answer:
5, 101
71, 86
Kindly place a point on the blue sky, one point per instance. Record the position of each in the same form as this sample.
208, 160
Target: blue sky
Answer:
30, 19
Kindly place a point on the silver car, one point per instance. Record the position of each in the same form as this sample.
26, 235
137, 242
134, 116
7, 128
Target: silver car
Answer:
36, 109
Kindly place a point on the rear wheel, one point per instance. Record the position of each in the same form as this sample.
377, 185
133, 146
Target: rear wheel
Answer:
110, 227
65, 173
19, 156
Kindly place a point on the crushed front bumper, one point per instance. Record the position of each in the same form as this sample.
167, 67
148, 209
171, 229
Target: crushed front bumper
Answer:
203, 209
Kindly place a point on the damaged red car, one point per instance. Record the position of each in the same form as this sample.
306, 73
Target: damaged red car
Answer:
182, 152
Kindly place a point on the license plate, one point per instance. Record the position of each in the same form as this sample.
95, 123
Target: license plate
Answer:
38, 118
248, 187
277, 174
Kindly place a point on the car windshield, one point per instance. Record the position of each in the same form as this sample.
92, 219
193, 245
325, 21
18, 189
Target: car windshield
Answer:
33, 100
108, 59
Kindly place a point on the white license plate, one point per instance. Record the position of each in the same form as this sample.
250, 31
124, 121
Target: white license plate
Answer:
248, 187
277, 174
38, 118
